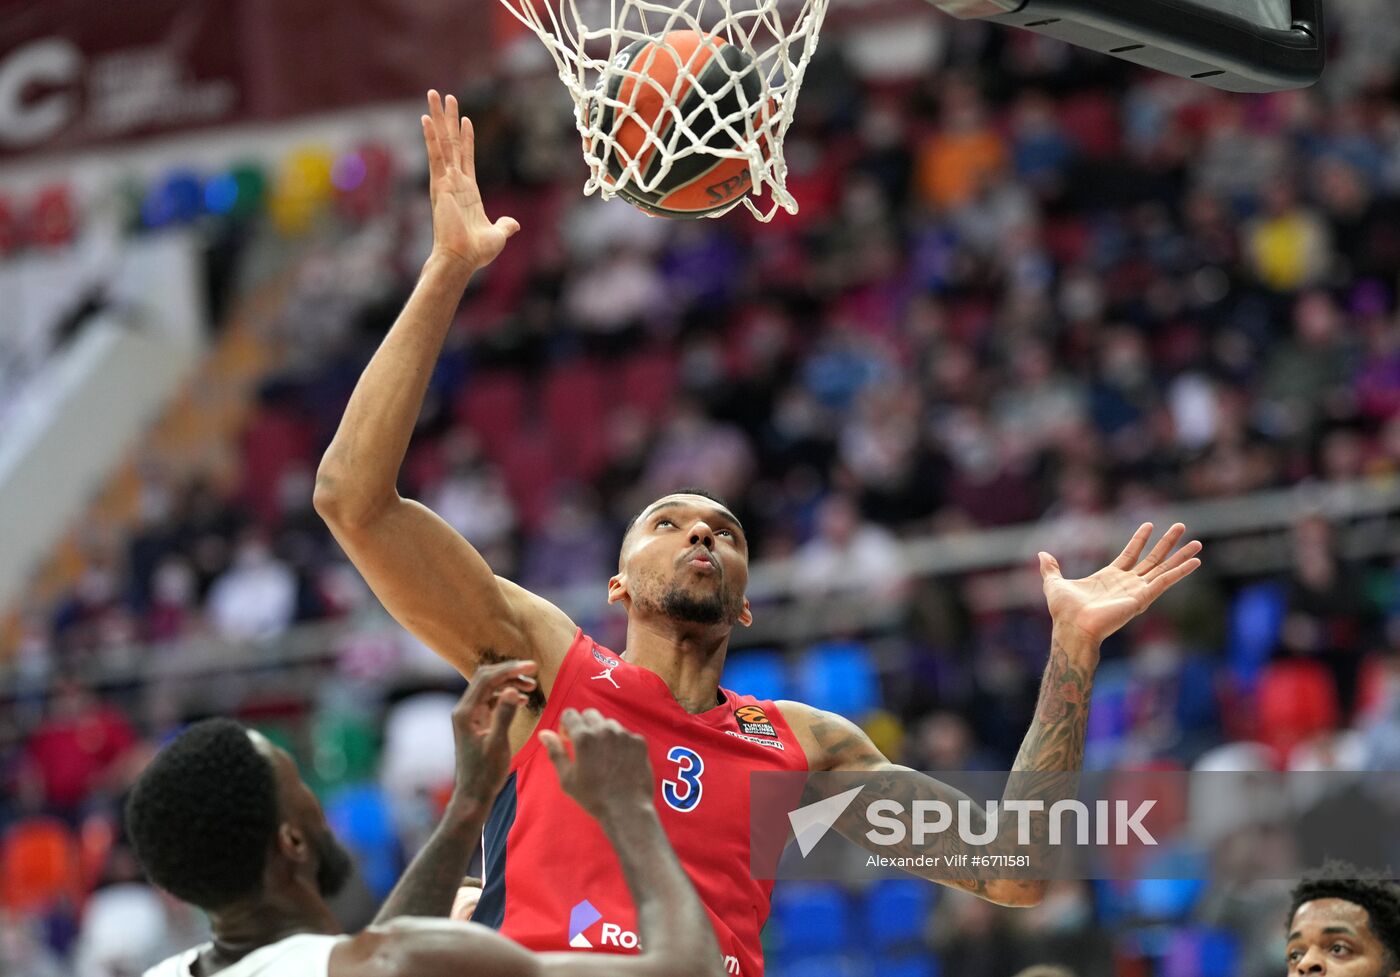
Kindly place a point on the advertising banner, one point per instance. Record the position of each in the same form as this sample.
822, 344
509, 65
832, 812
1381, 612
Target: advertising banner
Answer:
77, 74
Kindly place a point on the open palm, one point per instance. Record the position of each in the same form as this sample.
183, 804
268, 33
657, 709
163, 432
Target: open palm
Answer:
461, 229
1100, 604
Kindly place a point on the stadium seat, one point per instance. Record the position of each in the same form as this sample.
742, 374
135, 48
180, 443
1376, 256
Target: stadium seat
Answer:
1167, 899
1197, 702
836, 966
1109, 716
1201, 952
812, 920
910, 965
39, 866
839, 677
649, 381
275, 440
574, 403
896, 913
360, 818
531, 472
759, 673
1297, 700
1256, 617
1091, 122
493, 406
1114, 900
1371, 685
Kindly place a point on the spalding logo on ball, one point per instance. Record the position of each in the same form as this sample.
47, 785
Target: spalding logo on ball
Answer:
707, 80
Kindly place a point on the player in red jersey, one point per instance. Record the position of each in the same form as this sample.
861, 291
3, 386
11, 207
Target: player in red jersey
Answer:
682, 576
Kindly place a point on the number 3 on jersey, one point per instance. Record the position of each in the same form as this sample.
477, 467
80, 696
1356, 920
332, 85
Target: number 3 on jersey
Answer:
683, 793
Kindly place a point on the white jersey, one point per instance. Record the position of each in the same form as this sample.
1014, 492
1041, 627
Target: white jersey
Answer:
303, 955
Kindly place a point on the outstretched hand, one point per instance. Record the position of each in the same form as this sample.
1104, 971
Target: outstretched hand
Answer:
461, 230
1099, 605
601, 765
481, 727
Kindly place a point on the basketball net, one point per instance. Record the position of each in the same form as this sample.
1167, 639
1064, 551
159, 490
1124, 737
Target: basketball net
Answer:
779, 36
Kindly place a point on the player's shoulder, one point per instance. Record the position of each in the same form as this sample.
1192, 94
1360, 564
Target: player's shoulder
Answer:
830, 740
798, 713
800, 718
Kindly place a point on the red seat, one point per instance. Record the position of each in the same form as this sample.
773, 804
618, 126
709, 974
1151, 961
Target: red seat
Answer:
493, 406
574, 409
11, 228
53, 219
1371, 687
274, 441
531, 471
39, 866
649, 380
1297, 700
1091, 121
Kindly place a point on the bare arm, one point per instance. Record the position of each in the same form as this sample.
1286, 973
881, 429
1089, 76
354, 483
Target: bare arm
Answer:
1084, 612
835, 744
611, 779
429, 578
443, 948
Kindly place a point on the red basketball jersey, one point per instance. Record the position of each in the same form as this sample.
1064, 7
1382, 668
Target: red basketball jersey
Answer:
552, 880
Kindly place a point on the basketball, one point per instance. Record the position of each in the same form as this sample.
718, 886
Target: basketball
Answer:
701, 78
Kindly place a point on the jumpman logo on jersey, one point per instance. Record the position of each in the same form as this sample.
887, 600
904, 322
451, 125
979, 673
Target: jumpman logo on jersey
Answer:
607, 674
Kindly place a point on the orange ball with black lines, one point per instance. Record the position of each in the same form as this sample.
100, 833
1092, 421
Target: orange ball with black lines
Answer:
684, 74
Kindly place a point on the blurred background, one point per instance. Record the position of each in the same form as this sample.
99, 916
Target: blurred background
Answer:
1032, 297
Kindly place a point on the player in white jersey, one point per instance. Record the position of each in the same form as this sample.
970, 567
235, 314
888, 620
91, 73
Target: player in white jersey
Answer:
222, 819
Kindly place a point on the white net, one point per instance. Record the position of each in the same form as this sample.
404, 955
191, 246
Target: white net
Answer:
745, 118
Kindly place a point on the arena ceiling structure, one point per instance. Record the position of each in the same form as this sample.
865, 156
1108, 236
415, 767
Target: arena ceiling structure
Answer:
1234, 45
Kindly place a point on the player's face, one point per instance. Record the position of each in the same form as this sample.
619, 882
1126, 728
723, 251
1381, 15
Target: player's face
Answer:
1333, 937
686, 559
304, 822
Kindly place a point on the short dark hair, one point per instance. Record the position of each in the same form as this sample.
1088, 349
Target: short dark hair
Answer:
682, 491
203, 815
1379, 897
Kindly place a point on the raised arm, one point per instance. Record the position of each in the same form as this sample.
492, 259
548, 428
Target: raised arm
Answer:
610, 777
1083, 613
427, 576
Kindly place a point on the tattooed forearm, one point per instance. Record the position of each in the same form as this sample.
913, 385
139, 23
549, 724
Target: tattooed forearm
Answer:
430, 883
1055, 741
1046, 770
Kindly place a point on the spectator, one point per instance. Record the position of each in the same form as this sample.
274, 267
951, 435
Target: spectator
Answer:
573, 546
1287, 245
125, 931
255, 598
77, 751
953, 163
1306, 379
472, 497
848, 555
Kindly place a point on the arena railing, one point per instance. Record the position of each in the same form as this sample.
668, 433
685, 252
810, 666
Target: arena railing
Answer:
1246, 537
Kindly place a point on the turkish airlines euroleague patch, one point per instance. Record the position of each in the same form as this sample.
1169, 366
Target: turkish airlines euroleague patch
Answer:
753, 721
